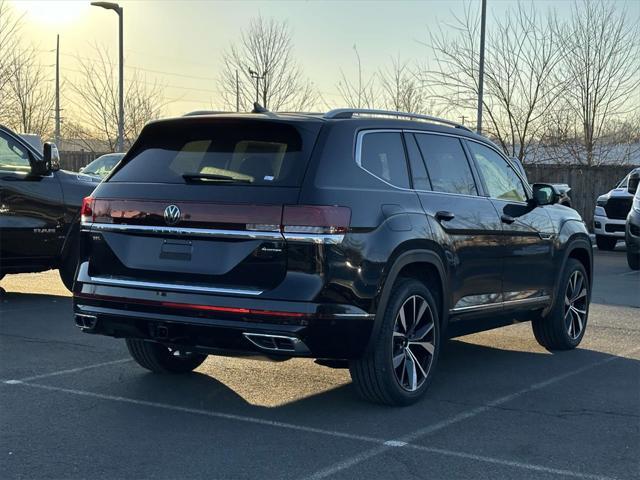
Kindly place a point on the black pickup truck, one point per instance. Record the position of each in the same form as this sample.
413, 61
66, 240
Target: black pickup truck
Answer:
39, 209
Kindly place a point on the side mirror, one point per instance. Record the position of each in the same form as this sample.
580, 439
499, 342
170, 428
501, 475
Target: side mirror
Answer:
632, 184
51, 156
544, 194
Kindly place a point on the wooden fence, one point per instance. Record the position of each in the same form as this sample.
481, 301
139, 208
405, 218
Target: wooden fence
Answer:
586, 183
74, 161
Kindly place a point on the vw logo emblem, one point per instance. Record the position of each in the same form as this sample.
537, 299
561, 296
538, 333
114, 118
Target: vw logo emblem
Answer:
172, 214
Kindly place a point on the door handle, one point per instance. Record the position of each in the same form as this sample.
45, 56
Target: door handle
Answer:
508, 219
445, 216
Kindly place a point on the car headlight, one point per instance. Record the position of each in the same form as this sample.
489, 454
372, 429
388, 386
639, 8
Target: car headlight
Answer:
600, 212
601, 202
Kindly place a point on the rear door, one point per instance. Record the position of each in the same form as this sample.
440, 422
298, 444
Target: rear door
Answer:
464, 223
528, 231
197, 205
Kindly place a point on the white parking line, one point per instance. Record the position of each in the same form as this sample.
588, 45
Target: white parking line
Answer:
64, 372
383, 445
363, 456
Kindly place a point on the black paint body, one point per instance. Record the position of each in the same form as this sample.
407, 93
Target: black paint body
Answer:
508, 272
38, 214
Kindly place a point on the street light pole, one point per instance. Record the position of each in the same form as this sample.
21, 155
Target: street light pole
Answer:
119, 10
481, 73
258, 77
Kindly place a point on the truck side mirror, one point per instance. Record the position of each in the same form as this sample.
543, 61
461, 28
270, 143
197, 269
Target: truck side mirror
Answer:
544, 194
632, 184
51, 156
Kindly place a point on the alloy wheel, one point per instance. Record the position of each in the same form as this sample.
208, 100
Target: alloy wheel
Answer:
575, 305
413, 343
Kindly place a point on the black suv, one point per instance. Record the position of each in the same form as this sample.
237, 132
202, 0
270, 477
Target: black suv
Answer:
39, 209
359, 238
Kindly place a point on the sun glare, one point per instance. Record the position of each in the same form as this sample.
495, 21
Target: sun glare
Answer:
53, 11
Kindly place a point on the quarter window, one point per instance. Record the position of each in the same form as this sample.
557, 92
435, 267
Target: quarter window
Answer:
501, 180
447, 164
382, 154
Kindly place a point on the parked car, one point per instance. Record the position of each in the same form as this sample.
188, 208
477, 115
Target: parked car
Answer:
102, 165
610, 214
632, 230
360, 238
39, 209
561, 189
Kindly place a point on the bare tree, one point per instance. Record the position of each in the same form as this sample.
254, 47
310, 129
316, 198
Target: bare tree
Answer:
522, 55
31, 94
359, 93
10, 25
602, 67
95, 97
265, 48
402, 91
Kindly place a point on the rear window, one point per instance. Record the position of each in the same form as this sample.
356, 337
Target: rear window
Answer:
246, 152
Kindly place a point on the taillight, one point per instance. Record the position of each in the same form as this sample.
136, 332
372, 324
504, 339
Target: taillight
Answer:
313, 219
86, 212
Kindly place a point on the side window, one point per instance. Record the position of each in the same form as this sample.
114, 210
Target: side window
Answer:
13, 156
382, 154
501, 180
447, 164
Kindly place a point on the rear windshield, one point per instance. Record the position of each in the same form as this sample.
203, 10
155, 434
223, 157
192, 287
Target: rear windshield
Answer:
205, 151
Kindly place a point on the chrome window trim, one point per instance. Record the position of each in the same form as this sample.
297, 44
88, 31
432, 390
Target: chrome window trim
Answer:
358, 160
115, 282
179, 231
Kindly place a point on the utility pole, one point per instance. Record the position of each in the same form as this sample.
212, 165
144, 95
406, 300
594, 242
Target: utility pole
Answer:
237, 92
481, 73
57, 134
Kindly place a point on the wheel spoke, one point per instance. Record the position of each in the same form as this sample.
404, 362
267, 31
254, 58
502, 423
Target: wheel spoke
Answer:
410, 366
577, 287
421, 310
423, 332
583, 293
403, 321
397, 360
417, 363
577, 310
428, 346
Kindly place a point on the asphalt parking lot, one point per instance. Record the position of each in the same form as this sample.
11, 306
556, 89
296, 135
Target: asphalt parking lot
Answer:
74, 406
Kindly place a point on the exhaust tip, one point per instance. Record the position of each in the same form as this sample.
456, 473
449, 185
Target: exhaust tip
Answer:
277, 343
86, 322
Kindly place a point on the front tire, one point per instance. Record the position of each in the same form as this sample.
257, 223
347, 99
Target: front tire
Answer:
401, 364
161, 359
564, 326
606, 243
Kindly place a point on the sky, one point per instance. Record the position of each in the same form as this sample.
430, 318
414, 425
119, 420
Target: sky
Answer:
180, 43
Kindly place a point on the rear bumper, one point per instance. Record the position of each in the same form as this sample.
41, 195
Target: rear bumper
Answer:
228, 325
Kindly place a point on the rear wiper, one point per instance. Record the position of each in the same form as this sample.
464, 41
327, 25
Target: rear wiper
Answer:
214, 178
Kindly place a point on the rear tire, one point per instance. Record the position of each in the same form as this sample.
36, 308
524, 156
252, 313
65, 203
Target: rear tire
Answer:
401, 364
161, 359
564, 326
633, 259
68, 267
606, 243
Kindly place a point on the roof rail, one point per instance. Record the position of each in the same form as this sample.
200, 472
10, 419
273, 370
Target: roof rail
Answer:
350, 112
